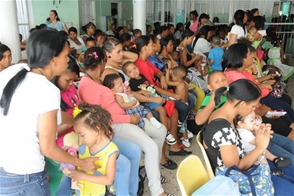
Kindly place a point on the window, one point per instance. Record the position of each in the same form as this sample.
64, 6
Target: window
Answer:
22, 18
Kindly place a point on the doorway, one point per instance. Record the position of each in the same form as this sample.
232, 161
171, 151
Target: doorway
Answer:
88, 12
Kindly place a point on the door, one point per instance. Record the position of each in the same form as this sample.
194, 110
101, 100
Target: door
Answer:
88, 12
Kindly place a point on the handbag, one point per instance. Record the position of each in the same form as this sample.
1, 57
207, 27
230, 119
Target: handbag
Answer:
219, 185
256, 180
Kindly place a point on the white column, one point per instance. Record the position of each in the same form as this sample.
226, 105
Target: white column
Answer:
9, 34
180, 7
139, 15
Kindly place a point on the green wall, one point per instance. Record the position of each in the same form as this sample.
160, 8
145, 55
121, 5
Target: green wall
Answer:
68, 10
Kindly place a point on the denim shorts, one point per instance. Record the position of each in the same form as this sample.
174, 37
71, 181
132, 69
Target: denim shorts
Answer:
28, 184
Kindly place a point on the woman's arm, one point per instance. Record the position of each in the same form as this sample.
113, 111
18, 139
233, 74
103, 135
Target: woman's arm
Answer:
203, 115
129, 56
230, 155
232, 40
184, 60
47, 126
106, 179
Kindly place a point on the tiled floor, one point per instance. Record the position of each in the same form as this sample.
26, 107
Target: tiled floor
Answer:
172, 186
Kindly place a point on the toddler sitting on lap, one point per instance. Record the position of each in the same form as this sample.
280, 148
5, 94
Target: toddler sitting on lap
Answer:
128, 102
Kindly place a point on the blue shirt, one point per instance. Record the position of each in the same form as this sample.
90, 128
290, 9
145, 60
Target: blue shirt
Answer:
217, 55
157, 62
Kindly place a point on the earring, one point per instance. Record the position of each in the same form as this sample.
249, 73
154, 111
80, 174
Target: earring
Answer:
109, 57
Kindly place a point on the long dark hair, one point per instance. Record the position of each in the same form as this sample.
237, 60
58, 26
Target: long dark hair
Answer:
42, 46
242, 89
142, 41
234, 56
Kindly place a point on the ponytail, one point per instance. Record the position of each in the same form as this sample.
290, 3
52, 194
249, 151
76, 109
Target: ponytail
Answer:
9, 89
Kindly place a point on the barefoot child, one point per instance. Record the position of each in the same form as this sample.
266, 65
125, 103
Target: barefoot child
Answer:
129, 103
177, 79
92, 125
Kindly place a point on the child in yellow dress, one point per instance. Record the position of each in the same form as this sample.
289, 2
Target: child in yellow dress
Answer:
92, 124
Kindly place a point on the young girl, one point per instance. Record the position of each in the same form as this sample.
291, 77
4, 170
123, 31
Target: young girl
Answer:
128, 102
5, 57
246, 127
93, 126
276, 57
178, 75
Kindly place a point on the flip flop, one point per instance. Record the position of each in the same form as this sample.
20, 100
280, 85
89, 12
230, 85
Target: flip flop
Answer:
170, 165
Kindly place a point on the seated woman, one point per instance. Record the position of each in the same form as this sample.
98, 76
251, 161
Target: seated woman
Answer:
223, 143
76, 42
150, 139
5, 57
237, 59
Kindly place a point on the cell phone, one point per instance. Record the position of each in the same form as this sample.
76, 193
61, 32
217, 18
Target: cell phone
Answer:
179, 49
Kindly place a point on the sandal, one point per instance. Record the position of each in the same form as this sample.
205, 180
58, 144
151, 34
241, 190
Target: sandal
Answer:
163, 180
170, 165
281, 162
277, 172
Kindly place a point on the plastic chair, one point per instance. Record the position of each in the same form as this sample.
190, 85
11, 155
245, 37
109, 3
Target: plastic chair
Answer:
205, 157
191, 175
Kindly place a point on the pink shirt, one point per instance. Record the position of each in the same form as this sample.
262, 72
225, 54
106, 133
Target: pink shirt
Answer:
236, 75
194, 26
94, 93
147, 69
70, 97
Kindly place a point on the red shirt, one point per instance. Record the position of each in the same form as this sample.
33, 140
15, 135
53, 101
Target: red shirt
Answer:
147, 69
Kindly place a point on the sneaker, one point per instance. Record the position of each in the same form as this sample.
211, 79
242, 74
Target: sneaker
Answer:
186, 143
180, 124
170, 140
190, 134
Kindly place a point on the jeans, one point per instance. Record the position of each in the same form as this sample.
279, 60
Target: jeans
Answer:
28, 184
278, 104
183, 110
150, 141
132, 153
284, 185
127, 167
282, 146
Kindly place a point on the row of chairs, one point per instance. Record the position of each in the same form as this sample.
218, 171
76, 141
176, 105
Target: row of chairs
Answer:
191, 173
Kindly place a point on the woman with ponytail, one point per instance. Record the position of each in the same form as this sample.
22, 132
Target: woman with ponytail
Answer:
28, 112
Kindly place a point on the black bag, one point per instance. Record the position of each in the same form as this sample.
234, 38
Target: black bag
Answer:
142, 176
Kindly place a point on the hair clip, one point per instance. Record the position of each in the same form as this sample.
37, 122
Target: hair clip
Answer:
228, 88
76, 111
95, 55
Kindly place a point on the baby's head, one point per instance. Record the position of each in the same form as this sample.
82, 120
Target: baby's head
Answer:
248, 122
90, 42
215, 41
216, 79
179, 73
175, 55
114, 82
251, 34
131, 70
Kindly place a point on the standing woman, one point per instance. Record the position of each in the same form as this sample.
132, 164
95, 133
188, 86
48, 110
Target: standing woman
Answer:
194, 23
27, 88
54, 22
5, 57
238, 30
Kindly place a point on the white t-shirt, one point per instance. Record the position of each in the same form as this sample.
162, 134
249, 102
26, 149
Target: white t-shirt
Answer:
76, 46
202, 46
19, 143
246, 138
238, 30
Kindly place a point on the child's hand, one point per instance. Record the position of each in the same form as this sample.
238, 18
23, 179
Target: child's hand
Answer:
271, 82
146, 93
134, 103
134, 119
76, 175
87, 164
